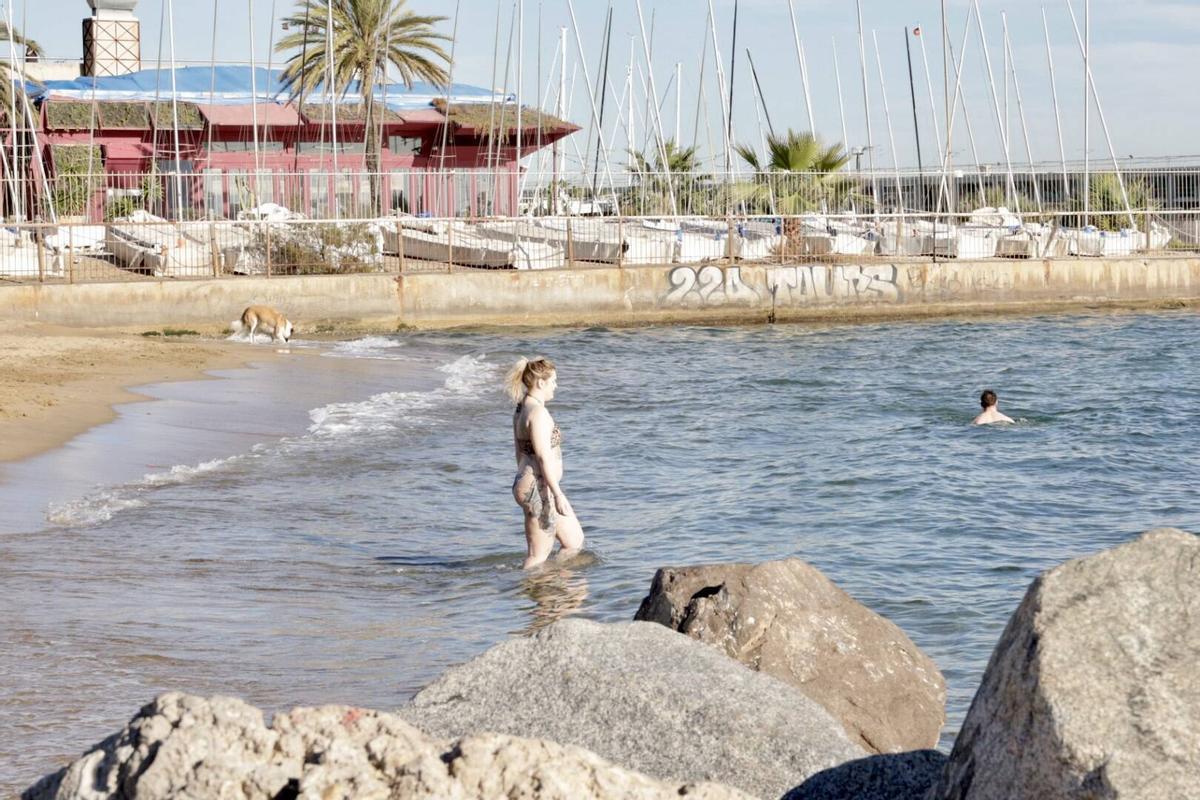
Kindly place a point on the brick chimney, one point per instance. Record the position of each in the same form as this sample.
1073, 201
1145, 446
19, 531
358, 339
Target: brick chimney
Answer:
112, 39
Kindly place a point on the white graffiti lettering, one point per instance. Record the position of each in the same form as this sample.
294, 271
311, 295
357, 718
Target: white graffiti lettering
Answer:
710, 286
817, 283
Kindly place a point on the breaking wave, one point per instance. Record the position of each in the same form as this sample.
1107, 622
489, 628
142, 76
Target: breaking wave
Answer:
466, 377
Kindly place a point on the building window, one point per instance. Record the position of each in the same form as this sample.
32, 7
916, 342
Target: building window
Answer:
319, 192
399, 189
264, 190
462, 194
246, 146
214, 193
240, 195
351, 147
405, 145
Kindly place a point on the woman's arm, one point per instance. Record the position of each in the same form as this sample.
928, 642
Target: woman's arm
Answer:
541, 429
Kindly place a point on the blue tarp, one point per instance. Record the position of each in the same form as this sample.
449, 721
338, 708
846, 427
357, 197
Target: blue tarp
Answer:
233, 85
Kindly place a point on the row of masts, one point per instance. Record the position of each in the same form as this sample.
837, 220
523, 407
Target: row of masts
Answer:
640, 79
640, 74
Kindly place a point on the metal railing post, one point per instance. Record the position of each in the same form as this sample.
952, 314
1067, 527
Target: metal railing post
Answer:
212, 249
620, 242
267, 237
400, 245
450, 246
783, 240
571, 246
1149, 244
71, 253
729, 239
41, 255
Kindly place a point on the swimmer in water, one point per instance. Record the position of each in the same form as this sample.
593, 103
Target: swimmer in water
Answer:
538, 445
990, 412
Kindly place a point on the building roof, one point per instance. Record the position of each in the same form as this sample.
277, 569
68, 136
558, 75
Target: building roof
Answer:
245, 115
236, 85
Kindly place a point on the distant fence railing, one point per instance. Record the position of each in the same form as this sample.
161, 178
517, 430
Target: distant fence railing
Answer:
225, 193
145, 247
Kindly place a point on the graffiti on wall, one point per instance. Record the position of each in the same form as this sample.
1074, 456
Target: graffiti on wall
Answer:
811, 284
709, 286
818, 283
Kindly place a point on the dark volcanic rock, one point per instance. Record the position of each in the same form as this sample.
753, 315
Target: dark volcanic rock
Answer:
644, 698
788, 620
895, 776
1093, 692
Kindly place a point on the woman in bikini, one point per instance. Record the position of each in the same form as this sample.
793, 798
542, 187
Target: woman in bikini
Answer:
538, 445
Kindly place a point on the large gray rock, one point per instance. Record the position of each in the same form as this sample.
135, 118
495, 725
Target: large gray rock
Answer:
219, 749
1093, 692
643, 697
788, 620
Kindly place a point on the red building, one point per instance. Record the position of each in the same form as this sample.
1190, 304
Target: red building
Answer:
209, 142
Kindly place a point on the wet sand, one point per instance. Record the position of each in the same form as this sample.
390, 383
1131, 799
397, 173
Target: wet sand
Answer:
56, 383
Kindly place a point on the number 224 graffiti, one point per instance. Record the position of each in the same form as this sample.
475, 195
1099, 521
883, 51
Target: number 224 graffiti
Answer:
709, 286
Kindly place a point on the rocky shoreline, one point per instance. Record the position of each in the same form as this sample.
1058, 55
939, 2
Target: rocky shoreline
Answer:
734, 681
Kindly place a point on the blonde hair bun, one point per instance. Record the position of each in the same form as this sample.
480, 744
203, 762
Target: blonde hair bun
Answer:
524, 373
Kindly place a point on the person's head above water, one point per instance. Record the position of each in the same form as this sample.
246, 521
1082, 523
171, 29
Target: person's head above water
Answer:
987, 399
529, 374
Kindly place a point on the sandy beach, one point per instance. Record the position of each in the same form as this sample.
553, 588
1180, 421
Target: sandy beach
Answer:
57, 382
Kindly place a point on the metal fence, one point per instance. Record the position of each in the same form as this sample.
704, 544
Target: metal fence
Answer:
227, 193
143, 247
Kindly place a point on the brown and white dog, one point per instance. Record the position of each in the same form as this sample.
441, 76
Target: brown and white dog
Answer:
266, 318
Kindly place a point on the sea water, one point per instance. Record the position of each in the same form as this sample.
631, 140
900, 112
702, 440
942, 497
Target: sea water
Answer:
338, 527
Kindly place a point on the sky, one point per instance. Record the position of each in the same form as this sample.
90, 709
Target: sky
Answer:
1142, 54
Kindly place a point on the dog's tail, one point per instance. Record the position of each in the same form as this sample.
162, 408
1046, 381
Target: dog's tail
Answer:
236, 326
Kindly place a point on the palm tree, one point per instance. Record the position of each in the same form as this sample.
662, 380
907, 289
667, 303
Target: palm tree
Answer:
800, 173
368, 36
1106, 202
33, 51
681, 163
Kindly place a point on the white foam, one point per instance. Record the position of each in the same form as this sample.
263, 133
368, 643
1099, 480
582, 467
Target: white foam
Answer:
182, 473
378, 413
92, 509
468, 375
368, 347
103, 505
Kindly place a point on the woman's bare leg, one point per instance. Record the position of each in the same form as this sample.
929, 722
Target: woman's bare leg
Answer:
538, 541
570, 536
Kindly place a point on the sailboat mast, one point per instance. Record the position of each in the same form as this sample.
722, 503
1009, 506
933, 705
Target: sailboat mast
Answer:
862, 60
732, 67
560, 112
1112, 153
887, 115
678, 103
812, 125
653, 94
1087, 111
933, 117
602, 80
175, 110
758, 87
587, 79
712, 28
1062, 152
912, 93
1037, 192
987, 59
837, 75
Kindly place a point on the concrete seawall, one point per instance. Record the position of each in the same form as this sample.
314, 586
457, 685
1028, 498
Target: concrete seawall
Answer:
616, 296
